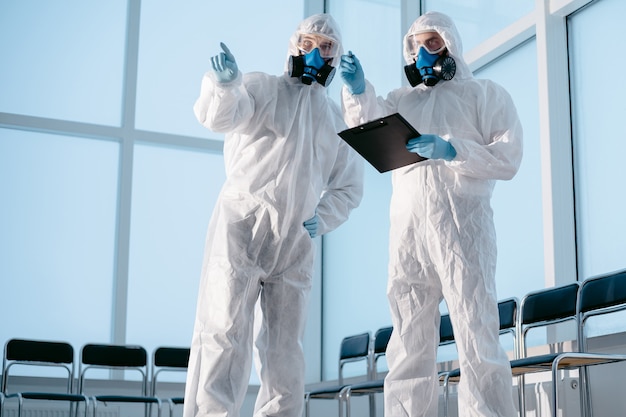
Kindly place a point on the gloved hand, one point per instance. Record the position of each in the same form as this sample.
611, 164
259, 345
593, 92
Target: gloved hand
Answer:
352, 73
224, 65
432, 147
311, 226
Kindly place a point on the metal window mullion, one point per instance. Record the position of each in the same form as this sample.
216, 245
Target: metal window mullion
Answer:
556, 147
125, 176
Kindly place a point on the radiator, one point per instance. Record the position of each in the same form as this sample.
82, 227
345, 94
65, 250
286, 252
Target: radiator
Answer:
34, 411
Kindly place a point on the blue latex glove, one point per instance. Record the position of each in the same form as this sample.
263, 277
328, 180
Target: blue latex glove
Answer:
311, 226
224, 65
432, 147
352, 73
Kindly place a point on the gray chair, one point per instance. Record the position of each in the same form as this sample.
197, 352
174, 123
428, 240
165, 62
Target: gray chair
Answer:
507, 311
353, 348
540, 309
375, 385
39, 355
117, 358
168, 359
446, 337
598, 296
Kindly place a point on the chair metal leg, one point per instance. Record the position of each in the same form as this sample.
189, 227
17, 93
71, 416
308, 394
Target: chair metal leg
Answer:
307, 397
555, 389
340, 407
521, 397
585, 393
372, 405
445, 396
344, 396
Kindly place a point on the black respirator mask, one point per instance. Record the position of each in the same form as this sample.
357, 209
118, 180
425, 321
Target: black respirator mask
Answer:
311, 67
430, 68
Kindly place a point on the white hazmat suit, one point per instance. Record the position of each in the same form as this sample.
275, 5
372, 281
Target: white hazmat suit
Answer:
442, 236
284, 164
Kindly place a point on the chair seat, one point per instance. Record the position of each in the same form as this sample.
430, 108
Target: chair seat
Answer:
543, 363
451, 376
51, 396
328, 392
539, 363
577, 359
178, 400
126, 399
367, 387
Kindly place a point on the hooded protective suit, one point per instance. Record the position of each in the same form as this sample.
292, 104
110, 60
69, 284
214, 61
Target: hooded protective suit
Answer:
284, 164
442, 236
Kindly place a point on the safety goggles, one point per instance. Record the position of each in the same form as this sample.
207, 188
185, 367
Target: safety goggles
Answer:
431, 41
327, 46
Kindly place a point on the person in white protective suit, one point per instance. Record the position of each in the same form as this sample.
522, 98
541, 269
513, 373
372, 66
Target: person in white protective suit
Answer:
290, 178
442, 234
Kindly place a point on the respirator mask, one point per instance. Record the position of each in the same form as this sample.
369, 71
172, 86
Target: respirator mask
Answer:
429, 68
311, 67
313, 64
432, 62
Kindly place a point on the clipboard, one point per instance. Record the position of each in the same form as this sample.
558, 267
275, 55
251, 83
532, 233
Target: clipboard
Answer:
382, 142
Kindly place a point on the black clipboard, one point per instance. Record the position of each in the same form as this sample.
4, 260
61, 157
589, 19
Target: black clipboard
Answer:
382, 142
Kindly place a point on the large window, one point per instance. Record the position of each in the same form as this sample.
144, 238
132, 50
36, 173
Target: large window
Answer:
178, 40
361, 271
173, 195
107, 181
57, 236
355, 254
66, 59
597, 114
479, 20
517, 203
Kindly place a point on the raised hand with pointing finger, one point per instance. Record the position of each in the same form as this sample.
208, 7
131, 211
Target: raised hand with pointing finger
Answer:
224, 65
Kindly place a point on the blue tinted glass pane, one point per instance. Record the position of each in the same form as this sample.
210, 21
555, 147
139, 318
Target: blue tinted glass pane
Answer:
478, 20
355, 257
174, 192
598, 113
66, 59
355, 271
379, 50
520, 226
57, 231
172, 62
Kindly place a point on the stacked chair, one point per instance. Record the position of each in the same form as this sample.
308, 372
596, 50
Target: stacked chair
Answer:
109, 357
169, 359
41, 356
376, 383
353, 348
597, 297
507, 311
577, 304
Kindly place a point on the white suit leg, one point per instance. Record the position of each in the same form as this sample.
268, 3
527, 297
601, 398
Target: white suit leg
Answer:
279, 347
221, 350
468, 282
411, 386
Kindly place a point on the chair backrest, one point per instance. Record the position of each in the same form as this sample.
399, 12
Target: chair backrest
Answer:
41, 354
507, 310
446, 334
114, 357
546, 307
598, 296
168, 359
379, 348
354, 348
